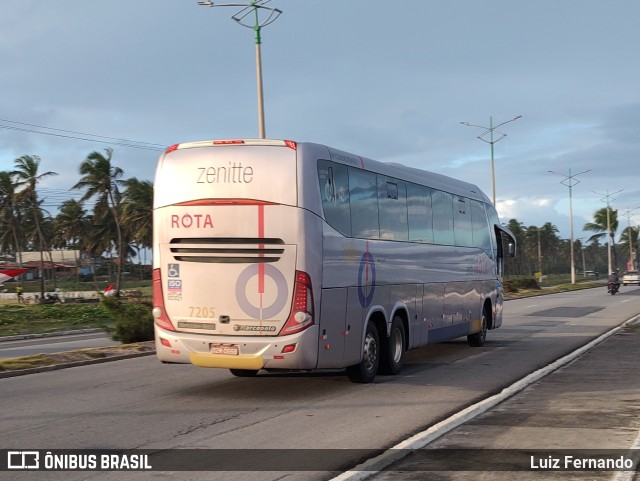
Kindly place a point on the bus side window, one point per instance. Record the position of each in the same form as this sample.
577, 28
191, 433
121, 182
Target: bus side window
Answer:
364, 204
334, 191
443, 218
462, 222
493, 221
392, 203
481, 232
420, 215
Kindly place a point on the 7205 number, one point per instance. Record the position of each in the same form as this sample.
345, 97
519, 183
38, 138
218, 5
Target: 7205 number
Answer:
202, 312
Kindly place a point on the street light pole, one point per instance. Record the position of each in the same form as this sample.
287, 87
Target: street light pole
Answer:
250, 11
631, 263
584, 263
489, 131
606, 198
570, 181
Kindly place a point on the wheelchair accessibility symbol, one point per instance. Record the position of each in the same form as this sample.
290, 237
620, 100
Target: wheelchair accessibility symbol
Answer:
173, 270
366, 278
257, 283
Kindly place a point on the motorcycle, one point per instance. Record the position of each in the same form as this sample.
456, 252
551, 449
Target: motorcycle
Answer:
51, 299
613, 288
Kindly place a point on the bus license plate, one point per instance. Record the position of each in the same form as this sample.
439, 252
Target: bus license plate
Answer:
228, 349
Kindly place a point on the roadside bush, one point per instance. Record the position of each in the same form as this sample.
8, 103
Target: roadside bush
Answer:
514, 285
17, 319
134, 322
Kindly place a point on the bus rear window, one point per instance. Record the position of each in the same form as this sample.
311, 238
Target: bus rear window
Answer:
334, 190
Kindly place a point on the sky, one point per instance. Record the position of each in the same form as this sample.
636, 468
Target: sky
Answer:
387, 80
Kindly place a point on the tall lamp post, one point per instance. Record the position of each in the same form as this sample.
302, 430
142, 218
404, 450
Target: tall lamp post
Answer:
250, 13
584, 262
488, 137
631, 263
570, 181
605, 198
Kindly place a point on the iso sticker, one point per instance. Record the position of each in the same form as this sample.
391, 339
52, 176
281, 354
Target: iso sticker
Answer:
174, 289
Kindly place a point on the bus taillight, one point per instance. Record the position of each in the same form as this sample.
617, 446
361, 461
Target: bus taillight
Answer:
301, 315
159, 313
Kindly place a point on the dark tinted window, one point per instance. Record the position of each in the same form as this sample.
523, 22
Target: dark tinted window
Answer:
334, 191
419, 213
481, 232
493, 221
442, 217
462, 222
392, 205
364, 204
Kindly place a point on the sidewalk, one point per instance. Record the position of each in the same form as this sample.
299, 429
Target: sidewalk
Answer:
592, 403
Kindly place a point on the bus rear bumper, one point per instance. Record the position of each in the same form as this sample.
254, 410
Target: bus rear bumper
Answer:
226, 361
254, 352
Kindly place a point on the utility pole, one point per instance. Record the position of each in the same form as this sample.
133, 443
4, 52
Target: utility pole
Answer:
491, 140
570, 181
631, 263
605, 198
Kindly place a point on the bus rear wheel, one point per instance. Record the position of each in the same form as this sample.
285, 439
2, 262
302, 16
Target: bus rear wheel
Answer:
244, 372
393, 349
365, 371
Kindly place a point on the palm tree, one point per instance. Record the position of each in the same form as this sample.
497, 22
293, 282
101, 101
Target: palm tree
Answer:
10, 217
101, 180
27, 176
70, 222
541, 246
71, 225
97, 240
517, 265
629, 239
600, 225
137, 212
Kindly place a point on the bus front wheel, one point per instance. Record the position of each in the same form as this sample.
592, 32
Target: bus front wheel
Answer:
365, 371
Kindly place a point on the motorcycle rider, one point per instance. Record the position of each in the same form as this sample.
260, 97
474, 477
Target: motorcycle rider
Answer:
613, 279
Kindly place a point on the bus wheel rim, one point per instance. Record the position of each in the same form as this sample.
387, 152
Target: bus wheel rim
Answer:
397, 345
370, 352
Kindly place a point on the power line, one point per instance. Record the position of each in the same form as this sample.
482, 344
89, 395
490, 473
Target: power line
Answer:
53, 198
135, 144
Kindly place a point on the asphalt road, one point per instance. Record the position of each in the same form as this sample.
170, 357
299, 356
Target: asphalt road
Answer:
140, 403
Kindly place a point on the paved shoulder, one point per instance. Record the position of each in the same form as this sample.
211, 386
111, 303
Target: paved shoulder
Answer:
589, 405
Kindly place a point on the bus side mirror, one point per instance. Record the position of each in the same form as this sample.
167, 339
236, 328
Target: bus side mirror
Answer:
512, 249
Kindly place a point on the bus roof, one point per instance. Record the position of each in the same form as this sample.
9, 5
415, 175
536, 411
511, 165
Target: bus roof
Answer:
391, 169
402, 172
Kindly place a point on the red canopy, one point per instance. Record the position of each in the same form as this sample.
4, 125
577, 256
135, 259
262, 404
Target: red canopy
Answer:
6, 274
